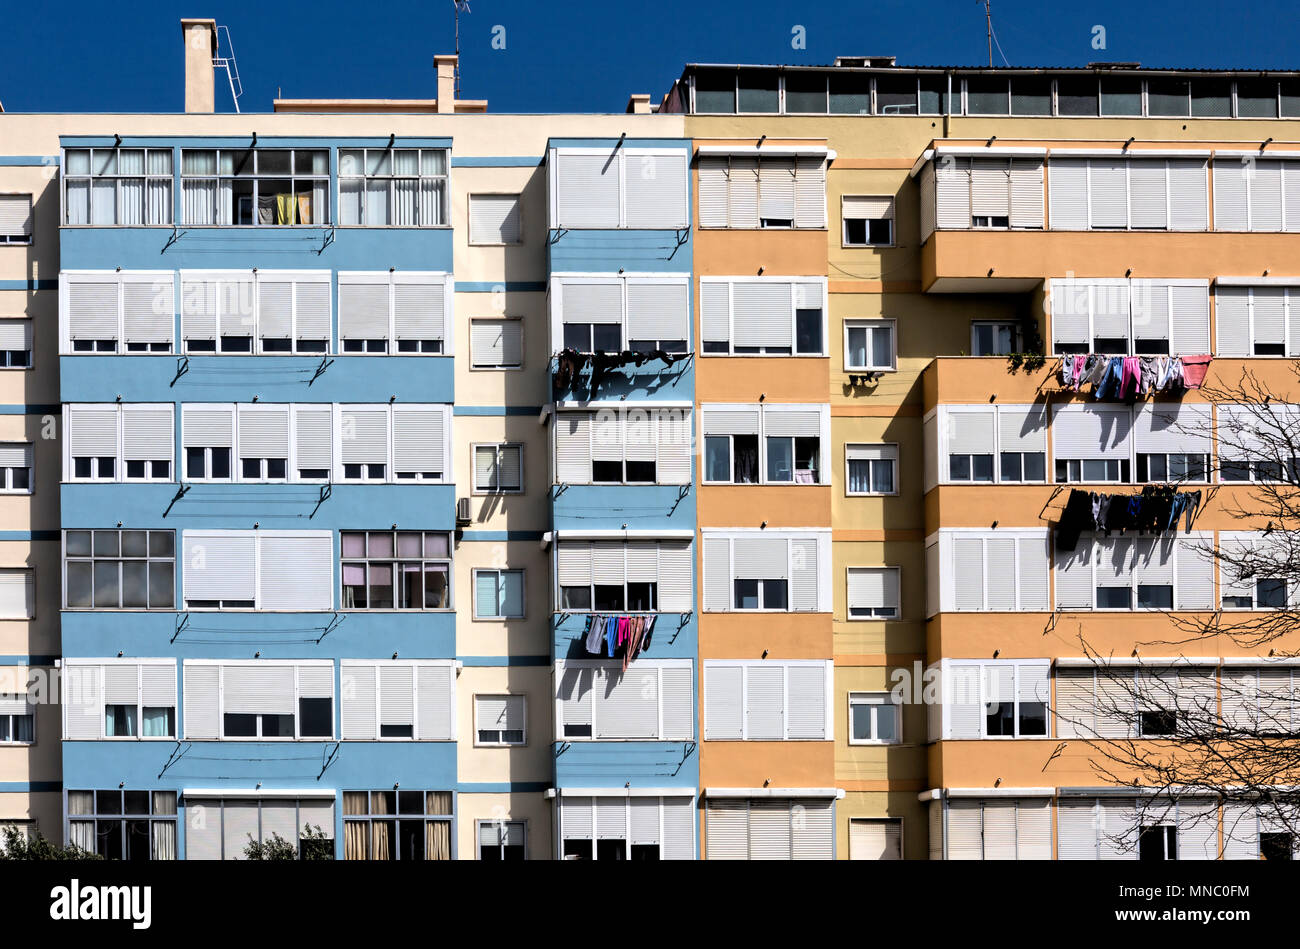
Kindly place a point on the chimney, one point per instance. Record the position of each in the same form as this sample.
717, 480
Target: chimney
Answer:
200, 50
446, 66
638, 104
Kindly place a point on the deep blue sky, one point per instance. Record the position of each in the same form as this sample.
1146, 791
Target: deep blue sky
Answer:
581, 55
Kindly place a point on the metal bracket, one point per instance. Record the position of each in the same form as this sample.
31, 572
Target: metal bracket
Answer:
182, 621
326, 490
559, 232
327, 239
183, 490
325, 363
329, 759
172, 238
182, 367
335, 622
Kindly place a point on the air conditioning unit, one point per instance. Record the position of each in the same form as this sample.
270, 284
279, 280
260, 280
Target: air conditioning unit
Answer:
462, 512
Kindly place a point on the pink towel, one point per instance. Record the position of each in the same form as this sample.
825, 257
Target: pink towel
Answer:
1194, 370
1132, 371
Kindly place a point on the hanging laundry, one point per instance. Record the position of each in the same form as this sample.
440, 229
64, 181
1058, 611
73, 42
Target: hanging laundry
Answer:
645, 634
635, 628
1074, 519
1103, 510
611, 635
1109, 385
1094, 369
1146, 375
595, 634
1067, 371
1194, 370
1129, 377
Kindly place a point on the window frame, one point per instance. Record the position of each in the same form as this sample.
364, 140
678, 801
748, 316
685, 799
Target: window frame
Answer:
395, 561
478, 846
5, 362
871, 325
500, 448
255, 176
946, 412
895, 462
600, 668
624, 281
298, 665
875, 617
501, 742
120, 560
764, 410
503, 367
1049, 706
892, 218
995, 324
785, 665
296, 278
369, 817
469, 217
875, 700
476, 572
121, 410
620, 151
21, 240
7, 471
140, 664
95, 817
68, 278
795, 282
117, 177
391, 177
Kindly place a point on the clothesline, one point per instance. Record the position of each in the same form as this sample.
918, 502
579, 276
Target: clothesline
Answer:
570, 362
1127, 377
1155, 510
607, 635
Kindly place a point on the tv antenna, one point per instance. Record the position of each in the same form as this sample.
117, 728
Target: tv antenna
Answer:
459, 5
227, 63
992, 37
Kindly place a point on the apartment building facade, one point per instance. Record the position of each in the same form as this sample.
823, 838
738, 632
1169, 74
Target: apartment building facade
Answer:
435, 484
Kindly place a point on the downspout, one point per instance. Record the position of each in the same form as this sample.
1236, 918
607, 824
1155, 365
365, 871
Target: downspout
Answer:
947, 112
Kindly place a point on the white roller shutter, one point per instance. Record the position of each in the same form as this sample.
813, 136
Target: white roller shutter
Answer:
1231, 204
1076, 829
990, 187
359, 693
1265, 183
717, 573
208, 426
679, 820
742, 192
497, 343
83, 702
715, 311
962, 693
93, 305
1027, 192
573, 563
972, 432
965, 835
1067, 188
1189, 320
274, 307
202, 701
712, 173
1071, 312
1034, 829
419, 302
435, 714
627, 704
678, 705
16, 335
723, 702
494, 218
764, 314
312, 307
587, 190
573, 447
258, 689
676, 569
219, 566
148, 307
15, 215
313, 437
1090, 431
1194, 566
1148, 198
397, 695
875, 840
952, 193
812, 825
1108, 192
1074, 577
654, 189
806, 702
776, 191
791, 421
1232, 321
1022, 428
804, 574
92, 431
419, 440
1173, 427
147, 433
364, 306
264, 431
676, 446
296, 570
364, 436
1188, 194
1032, 568
761, 558
657, 311
810, 192
968, 573
726, 829
239, 826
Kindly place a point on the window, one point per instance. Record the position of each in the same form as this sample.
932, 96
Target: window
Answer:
117, 312
992, 443
997, 829
403, 570
502, 839
126, 187
393, 187
767, 828
627, 826
1256, 321
770, 570
259, 699
987, 95
1076, 96
496, 344
228, 826
494, 219
871, 469
15, 218
762, 316
752, 191
397, 825
869, 346
767, 444
868, 221
1129, 192
598, 700
766, 700
624, 446
119, 570
254, 187
1142, 572
498, 469
268, 311
117, 698
1121, 316
398, 700
805, 93
873, 593
618, 314
873, 719
1092, 443
15, 344
960, 192
17, 593
1253, 442
499, 720
132, 442
619, 185
498, 594
402, 313
993, 339
1172, 466
994, 698
871, 839
258, 569
632, 576
123, 824
1247, 562
17, 715
989, 571
1253, 193
15, 468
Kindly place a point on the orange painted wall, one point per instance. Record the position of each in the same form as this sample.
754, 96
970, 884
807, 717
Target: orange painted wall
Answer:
1018, 763
783, 635
749, 764
748, 505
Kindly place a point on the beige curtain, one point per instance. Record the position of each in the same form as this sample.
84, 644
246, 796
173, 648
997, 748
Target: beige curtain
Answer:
382, 838
354, 803
354, 839
438, 844
437, 802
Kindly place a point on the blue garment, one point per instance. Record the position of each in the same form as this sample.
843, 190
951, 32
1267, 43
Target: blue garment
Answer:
1180, 501
1108, 387
611, 635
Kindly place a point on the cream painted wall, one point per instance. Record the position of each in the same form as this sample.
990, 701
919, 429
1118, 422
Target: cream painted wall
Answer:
487, 764
40, 636
523, 511
44, 807
532, 807
525, 386
40, 761
500, 637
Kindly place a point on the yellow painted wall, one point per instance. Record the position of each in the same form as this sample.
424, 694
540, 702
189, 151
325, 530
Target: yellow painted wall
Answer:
531, 807
491, 764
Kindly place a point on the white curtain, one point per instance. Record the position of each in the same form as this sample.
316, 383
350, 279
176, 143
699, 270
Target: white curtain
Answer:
159, 209
81, 833
198, 200
377, 203
350, 201
431, 203
132, 201
320, 202
78, 201
164, 840
225, 202
103, 194
404, 204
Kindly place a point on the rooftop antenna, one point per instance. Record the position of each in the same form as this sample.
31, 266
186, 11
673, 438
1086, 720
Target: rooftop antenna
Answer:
459, 5
992, 37
227, 63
